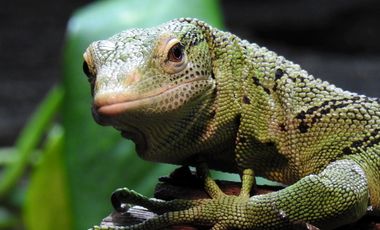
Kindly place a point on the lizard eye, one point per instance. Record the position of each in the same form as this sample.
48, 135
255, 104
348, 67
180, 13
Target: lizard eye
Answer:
175, 53
176, 59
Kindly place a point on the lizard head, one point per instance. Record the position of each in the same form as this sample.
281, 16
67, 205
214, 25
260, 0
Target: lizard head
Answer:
140, 75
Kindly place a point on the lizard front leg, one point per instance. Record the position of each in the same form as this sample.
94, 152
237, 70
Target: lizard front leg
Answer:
336, 196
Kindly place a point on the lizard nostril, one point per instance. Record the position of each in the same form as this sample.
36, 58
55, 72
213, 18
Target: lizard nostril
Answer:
86, 69
90, 76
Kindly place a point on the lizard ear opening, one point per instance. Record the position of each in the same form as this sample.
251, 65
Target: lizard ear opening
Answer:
176, 58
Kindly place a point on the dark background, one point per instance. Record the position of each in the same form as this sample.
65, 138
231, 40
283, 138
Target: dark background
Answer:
336, 40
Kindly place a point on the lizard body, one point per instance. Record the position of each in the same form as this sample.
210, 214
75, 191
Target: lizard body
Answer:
186, 92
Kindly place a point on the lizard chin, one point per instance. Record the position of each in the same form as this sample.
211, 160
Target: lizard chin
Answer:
126, 130
138, 138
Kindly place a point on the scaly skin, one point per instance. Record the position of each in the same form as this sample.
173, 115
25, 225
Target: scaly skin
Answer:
186, 92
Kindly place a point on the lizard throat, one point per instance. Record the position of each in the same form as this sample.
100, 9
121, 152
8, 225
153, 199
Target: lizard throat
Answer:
122, 105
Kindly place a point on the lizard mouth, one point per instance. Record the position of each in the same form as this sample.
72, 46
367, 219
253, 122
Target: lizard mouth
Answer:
127, 130
121, 105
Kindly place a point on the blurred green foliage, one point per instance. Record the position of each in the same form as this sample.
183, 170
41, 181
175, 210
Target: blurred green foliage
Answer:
75, 165
24, 155
47, 203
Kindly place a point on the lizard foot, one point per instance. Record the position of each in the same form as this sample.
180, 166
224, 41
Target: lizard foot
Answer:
220, 212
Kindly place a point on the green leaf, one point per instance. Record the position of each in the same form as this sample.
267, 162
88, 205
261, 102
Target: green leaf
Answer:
7, 219
29, 138
97, 159
47, 205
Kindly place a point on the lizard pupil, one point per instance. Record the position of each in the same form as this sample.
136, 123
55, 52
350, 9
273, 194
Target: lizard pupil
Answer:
176, 53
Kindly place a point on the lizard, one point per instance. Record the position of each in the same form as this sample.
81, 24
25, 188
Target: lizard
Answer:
190, 94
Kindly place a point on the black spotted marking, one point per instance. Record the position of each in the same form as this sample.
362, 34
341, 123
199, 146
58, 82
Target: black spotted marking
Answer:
213, 36
301, 115
283, 127
326, 111
257, 82
246, 100
193, 37
325, 108
357, 144
376, 140
303, 127
195, 42
347, 151
278, 74
364, 143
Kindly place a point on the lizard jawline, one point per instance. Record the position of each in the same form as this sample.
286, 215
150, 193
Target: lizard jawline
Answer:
119, 107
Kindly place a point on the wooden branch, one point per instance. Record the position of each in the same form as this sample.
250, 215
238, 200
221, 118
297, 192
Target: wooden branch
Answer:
183, 184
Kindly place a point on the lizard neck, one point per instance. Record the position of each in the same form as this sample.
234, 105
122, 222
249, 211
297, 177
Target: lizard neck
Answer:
180, 136
244, 104
245, 89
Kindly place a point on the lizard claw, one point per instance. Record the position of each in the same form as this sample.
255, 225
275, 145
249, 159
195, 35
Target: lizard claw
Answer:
219, 212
